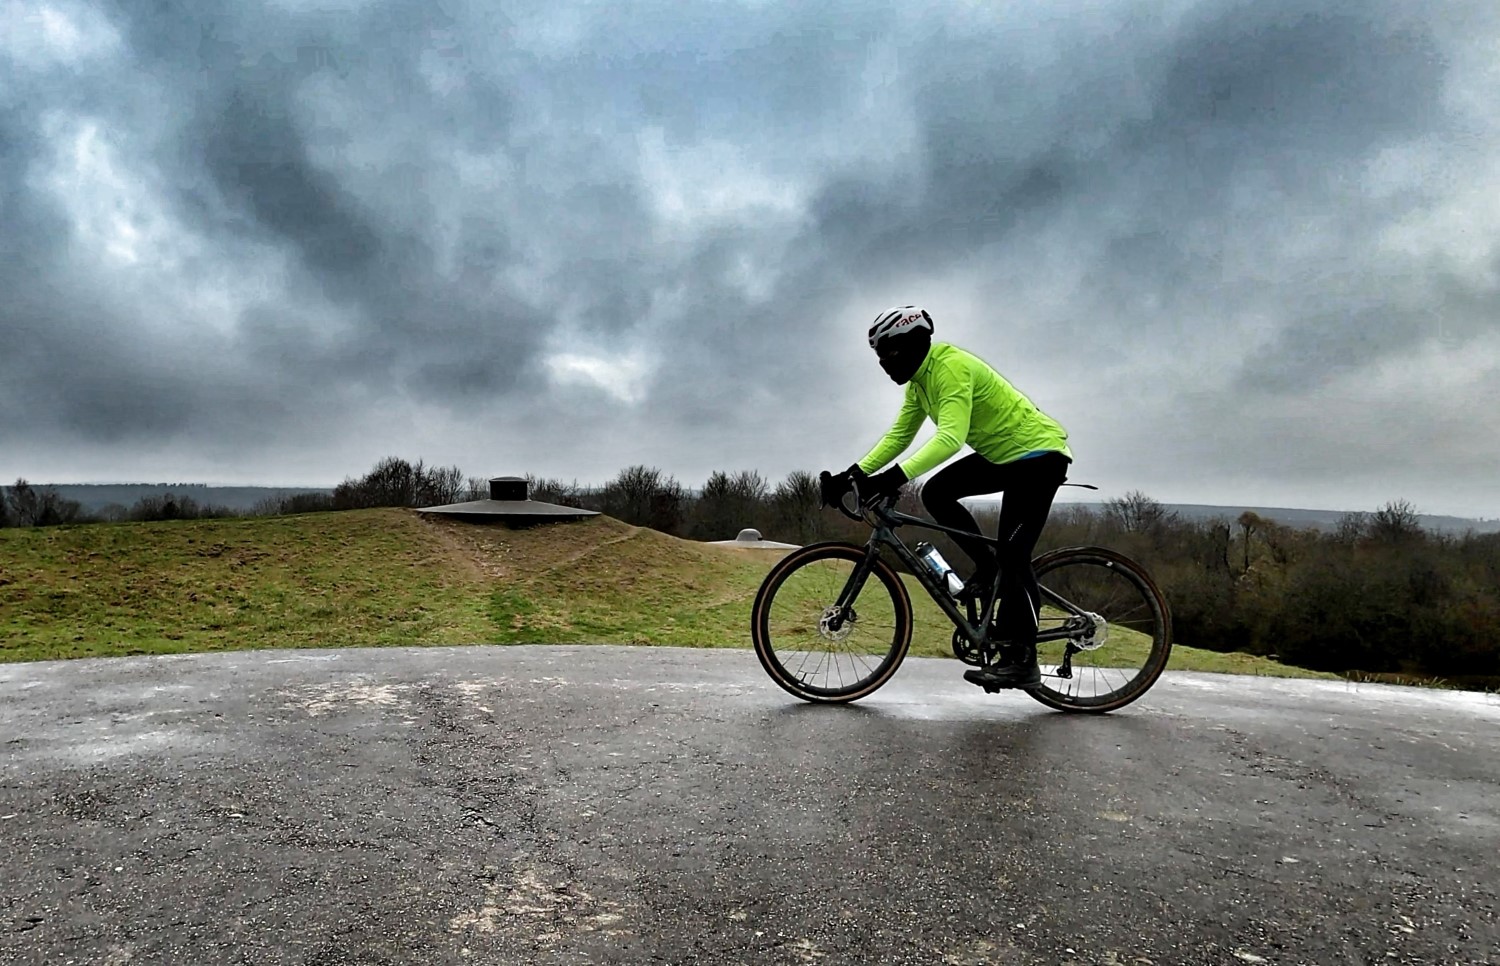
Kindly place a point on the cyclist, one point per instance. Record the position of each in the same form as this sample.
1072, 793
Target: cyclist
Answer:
1018, 449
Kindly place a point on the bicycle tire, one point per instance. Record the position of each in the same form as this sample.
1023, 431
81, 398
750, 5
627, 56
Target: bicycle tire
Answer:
801, 619
1134, 624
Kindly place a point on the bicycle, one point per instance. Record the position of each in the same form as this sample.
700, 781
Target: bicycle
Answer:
1097, 606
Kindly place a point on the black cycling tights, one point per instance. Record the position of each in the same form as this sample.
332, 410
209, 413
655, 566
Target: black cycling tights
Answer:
1029, 486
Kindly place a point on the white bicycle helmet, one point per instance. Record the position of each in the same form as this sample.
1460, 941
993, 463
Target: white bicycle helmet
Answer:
899, 321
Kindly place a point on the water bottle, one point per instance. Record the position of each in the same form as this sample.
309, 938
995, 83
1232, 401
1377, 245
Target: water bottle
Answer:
939, 567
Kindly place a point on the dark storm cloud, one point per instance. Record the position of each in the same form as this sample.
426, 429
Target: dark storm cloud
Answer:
1270, 102
33, 229
1276, 98
464, 206
259, 164
225, 89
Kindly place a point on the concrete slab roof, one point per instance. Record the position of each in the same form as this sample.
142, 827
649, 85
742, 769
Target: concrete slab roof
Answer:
751, 540
510, 502
525, 511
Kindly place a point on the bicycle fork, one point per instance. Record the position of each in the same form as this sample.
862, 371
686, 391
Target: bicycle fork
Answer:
842, 611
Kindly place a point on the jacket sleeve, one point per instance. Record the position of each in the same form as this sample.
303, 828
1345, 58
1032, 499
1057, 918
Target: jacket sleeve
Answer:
955, 406
901, 433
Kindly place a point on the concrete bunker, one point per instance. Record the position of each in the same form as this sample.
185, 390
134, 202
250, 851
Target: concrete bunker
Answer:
510, 502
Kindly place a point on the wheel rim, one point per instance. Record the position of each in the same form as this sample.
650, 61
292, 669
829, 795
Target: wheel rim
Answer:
815, 645
1111, 649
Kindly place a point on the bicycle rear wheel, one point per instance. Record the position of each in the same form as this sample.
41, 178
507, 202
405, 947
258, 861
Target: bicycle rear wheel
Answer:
813, 647
1111, 627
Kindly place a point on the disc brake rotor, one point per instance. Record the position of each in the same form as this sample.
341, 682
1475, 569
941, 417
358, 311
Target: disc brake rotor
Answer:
1095, 633
831, 617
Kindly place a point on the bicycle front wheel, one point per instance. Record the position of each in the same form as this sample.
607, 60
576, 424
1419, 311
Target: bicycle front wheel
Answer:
1104, 631
831, 623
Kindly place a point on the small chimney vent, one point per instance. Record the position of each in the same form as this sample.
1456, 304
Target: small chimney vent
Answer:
509, 488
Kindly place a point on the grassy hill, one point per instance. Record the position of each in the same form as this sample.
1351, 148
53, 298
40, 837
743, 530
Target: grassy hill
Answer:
329, 580
392, 577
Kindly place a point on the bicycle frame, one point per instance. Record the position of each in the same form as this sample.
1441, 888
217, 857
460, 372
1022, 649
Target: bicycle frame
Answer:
883, 522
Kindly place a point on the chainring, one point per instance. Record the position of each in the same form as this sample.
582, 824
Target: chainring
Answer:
966, 650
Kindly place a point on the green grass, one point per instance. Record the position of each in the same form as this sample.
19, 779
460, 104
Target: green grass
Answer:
389, 577
322, 580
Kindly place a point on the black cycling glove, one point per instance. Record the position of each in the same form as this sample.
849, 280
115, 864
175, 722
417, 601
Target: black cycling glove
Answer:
832, 487
887, 483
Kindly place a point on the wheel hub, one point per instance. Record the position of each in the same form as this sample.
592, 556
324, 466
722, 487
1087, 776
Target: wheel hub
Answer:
834, 625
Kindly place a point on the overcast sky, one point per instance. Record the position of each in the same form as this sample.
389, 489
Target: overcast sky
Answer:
1246, 252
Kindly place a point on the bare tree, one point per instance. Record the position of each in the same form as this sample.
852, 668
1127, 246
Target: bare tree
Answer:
1396, 522
1138, 513
390, 483
795, 505
23, 503
1249, 523
549, 490
729, 503
41, 507
643, 496
395, 482
438, 486
1351, 527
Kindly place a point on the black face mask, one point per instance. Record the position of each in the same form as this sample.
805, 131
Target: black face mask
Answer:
902, 363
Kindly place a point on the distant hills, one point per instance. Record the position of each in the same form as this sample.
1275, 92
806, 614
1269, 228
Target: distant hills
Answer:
94, 497
1313, 519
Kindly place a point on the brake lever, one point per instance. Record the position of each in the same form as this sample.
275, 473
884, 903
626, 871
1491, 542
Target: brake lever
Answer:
843, 501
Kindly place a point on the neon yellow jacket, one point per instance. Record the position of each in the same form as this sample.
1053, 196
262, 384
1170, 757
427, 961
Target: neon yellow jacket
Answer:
970, 403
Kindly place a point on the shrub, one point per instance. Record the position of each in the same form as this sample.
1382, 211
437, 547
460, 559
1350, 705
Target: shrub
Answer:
294, 503
169, 506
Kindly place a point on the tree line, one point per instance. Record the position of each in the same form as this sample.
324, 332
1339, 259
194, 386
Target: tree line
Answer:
640, 495
1376, 594
25, 505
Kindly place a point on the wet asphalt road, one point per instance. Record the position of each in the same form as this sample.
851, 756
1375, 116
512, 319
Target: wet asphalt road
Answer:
598, 805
